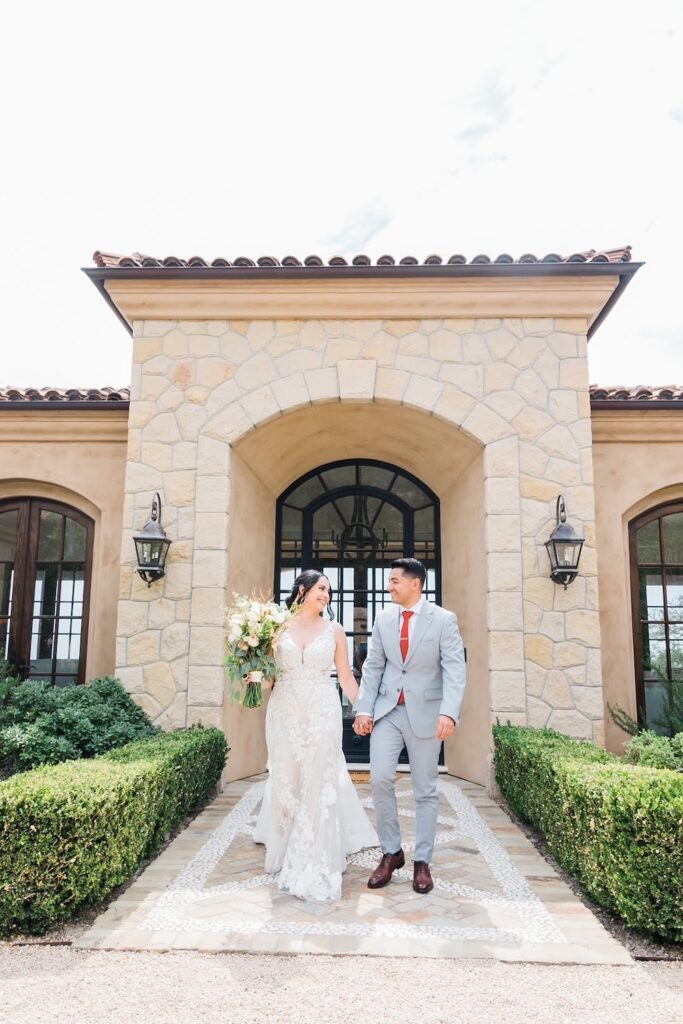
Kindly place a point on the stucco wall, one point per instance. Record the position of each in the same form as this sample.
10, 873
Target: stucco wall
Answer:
78, 458
638, 458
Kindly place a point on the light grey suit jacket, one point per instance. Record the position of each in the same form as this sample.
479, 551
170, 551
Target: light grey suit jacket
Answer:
432, 676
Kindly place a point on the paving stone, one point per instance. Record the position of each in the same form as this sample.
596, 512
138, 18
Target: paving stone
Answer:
494, 896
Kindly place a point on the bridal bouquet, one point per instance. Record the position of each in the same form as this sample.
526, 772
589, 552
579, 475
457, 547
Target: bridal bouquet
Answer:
253, 627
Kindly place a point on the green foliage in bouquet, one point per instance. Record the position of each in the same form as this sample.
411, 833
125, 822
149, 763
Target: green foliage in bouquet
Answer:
253, 628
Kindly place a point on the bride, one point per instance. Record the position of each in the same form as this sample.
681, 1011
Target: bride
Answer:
311, 818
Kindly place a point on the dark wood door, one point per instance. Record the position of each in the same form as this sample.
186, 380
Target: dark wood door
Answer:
45, 563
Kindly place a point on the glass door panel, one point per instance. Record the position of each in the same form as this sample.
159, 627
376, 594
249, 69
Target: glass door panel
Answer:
45, 553
9, 523
674, 595
648, 544
672, 531
657, 566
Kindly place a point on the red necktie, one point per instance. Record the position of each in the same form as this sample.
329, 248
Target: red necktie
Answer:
404, 645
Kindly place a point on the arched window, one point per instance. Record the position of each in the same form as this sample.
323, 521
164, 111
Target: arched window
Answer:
656, 541
45, 562
350, 519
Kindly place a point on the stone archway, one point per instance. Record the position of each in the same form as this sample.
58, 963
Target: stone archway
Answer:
271, 456
214, 401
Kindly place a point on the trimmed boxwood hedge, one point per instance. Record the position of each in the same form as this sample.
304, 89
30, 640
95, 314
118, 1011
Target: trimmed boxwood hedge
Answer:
617, 828
70, 833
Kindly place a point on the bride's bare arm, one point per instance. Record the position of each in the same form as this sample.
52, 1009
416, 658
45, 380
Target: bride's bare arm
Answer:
346, 678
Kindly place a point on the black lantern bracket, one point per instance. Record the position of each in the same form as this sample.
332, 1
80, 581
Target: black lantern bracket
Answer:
564, 548
151, 546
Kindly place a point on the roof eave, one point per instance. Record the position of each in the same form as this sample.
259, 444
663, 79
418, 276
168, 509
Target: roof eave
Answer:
624, 281
636, 404
624, 271
56, 406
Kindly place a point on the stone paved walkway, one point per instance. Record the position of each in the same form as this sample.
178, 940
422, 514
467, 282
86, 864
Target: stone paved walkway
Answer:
494, 895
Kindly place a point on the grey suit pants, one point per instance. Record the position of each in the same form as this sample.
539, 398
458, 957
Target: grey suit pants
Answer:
387, 739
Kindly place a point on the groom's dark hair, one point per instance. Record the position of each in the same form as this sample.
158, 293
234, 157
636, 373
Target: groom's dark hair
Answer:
411, 567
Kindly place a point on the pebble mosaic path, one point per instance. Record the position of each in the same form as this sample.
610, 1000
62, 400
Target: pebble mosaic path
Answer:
494, 896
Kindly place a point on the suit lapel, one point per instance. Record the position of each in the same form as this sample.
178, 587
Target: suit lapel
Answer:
392, 641
423, 623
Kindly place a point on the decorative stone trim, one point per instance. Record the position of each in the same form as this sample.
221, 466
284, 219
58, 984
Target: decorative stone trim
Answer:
189, 888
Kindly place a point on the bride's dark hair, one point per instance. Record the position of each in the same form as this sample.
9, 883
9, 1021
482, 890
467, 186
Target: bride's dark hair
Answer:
307, 579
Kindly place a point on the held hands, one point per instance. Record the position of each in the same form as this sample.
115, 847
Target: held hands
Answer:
362, 725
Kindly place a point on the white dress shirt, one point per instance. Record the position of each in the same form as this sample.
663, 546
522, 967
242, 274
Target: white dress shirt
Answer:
415, 609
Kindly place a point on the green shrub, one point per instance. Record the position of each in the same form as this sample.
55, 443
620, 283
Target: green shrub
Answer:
8, 681
45, 724
669, 722
70, 833
677, 747
651, 750
618, 828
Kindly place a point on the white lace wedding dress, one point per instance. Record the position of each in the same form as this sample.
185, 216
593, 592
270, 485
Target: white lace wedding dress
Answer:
311, 818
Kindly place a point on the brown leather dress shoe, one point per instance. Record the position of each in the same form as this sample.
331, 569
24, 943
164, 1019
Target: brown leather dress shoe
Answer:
422, 878
389, 863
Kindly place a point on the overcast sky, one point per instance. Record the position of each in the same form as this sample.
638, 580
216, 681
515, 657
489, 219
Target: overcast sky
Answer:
222, 128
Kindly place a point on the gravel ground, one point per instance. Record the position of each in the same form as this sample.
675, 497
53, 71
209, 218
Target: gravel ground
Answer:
56, 984
60, 985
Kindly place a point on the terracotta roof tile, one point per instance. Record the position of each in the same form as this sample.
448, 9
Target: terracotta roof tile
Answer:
137, 259
617, 394
614, 396
60, 396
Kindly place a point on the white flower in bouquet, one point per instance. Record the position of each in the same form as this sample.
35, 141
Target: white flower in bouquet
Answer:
253, 627
281, 614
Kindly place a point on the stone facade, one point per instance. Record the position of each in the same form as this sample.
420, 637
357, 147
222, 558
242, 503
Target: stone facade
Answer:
516, 388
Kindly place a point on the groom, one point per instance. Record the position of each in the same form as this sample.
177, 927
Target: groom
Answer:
411, 691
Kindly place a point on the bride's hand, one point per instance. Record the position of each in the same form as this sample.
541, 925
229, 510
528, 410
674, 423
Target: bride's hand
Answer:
266, 683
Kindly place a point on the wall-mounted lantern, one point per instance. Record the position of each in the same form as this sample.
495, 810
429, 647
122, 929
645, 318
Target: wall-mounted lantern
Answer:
151, 546
564, 548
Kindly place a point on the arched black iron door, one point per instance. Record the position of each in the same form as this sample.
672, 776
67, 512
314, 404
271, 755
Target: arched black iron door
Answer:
350, 519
